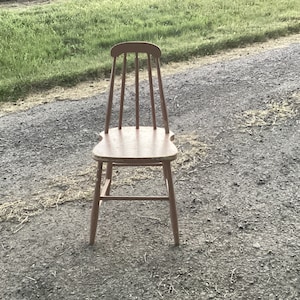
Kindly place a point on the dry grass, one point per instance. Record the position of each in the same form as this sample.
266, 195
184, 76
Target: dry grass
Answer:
79, 184
274, 114
56, 191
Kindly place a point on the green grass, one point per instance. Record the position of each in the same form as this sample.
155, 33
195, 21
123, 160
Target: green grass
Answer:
68, 41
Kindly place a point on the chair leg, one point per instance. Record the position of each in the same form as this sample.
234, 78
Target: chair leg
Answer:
165, 173
173, 213
108, 176
95, 207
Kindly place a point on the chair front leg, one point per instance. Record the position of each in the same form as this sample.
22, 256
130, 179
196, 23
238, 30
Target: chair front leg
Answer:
95, 207
172, 202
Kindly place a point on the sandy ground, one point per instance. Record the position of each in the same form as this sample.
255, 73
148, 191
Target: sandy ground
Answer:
237, 125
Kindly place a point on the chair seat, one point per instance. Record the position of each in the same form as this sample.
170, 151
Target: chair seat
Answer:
130, 144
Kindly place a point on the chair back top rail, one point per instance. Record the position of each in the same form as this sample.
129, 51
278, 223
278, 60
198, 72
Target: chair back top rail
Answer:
132, 47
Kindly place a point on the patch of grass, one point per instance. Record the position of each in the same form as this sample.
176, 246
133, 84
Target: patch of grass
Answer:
68, 41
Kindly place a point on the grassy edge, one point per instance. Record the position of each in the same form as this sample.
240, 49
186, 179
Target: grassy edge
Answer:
19, 90
239, 41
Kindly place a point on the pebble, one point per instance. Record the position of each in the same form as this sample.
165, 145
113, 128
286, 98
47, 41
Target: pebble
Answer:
256, 245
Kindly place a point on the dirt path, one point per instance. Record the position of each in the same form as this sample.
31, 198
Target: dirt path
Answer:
237, 182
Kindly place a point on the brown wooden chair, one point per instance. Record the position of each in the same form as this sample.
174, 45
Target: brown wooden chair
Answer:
135, 145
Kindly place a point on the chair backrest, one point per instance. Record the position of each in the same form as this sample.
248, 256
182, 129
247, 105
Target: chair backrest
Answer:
152, 54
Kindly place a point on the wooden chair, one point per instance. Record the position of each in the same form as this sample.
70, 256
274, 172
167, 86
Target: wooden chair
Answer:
135, 145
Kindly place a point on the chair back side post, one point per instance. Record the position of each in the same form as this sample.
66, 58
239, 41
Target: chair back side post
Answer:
162, 97
151, 90
122, 90
111, 95
137, 92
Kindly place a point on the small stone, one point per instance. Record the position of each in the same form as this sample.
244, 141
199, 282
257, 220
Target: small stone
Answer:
256, 245
212, 296
261, 181
241, 226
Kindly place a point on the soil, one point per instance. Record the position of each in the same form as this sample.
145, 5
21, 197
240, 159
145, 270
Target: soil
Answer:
237, 124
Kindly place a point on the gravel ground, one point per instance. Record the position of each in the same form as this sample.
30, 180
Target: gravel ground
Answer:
237, 183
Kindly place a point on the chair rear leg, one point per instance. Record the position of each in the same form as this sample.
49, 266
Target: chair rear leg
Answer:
172, 202
108, 176
95, 207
